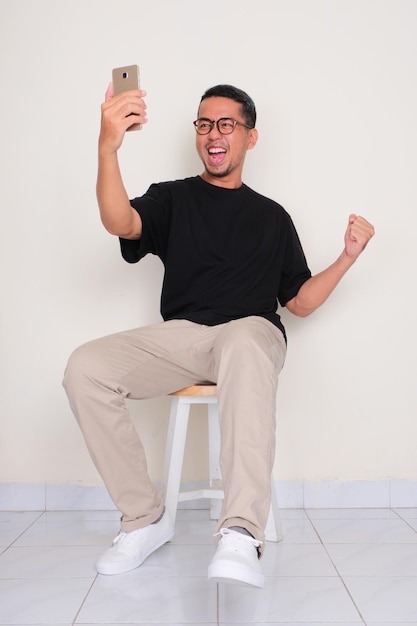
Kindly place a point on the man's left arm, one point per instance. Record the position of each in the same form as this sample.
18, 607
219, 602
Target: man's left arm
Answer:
315, 291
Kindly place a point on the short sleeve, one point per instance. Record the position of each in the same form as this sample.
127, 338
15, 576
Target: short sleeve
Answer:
154, 209
295, 271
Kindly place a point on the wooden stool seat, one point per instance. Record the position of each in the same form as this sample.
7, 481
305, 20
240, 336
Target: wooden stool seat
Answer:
174, 454
196, 390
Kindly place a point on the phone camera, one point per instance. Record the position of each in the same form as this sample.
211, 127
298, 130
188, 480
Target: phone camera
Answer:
124, 74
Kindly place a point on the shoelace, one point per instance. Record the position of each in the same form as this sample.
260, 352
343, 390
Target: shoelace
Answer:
122, 537
238, 541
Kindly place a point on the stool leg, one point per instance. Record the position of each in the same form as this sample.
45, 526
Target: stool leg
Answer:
214, 457
273, 531
174, 453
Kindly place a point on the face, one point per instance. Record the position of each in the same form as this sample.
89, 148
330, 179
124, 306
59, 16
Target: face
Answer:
223, 156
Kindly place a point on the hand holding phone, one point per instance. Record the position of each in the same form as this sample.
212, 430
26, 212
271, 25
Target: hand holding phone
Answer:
126, 79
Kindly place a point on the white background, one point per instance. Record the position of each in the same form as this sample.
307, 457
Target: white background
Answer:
334, 82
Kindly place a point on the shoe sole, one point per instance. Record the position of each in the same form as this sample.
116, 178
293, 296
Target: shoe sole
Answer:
233, 573
120, 568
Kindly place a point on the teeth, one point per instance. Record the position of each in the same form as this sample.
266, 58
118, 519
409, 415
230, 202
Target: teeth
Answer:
216, 150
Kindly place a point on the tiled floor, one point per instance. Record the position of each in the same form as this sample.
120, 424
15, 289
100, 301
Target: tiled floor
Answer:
346, 566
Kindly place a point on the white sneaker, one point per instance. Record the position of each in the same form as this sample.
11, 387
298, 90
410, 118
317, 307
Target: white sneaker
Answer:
129, 550
236, 559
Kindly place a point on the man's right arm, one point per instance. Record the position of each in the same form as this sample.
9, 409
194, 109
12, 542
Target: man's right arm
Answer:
116, 213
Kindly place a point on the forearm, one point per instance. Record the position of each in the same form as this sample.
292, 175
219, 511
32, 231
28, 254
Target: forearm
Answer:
315, 291
116, 213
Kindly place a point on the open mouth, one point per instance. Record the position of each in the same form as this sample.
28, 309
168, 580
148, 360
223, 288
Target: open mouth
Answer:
216, 155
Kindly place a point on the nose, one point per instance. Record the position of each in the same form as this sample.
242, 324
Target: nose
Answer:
214, 132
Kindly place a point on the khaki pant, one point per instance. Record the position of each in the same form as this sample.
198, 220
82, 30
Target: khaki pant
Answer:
244, 358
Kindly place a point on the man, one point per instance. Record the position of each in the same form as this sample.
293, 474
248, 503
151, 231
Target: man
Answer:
229, 255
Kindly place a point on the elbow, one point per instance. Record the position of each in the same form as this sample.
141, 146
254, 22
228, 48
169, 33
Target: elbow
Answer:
109, 229
304, 312
299, 310
122, 231
112, 229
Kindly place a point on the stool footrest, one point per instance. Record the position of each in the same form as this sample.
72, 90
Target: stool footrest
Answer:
195, 494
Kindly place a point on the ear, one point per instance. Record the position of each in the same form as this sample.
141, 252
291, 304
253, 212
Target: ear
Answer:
253, 138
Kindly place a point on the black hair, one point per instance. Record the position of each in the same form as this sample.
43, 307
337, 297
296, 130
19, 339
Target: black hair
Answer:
238, 95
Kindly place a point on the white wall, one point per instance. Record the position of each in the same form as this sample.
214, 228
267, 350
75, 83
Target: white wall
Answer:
335, 86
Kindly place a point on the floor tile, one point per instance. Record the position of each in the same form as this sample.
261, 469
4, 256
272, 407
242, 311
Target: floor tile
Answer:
317, 514
374, 559
71, 496
365, 531
22, 497
403, 493
283, 599
177, 561
337, 494
23, 518
193, 514
292, 514
130, 599
306, 623
384, 599
297, 560
407, 513
194, 533
47, 572
82, 516
41, 601
49, 562
45, 533
298, 531
10, 532
413, 523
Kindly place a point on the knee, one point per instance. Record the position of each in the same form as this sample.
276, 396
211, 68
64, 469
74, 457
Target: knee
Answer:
81, 366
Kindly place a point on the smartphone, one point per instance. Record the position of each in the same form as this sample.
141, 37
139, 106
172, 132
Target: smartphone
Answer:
125, 79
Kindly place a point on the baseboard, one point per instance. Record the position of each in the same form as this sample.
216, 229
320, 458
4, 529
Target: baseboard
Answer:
291, 494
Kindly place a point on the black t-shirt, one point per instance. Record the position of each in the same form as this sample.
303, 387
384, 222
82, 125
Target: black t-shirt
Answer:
227, 253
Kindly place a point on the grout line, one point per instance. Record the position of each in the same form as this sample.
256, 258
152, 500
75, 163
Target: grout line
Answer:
336, 569
406, 521
74, 621
41, 513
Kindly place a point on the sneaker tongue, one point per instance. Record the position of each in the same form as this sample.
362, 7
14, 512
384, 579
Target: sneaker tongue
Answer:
241, 541
118, 537
241, 530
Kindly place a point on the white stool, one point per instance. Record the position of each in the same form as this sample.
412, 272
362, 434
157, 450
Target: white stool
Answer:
174, 455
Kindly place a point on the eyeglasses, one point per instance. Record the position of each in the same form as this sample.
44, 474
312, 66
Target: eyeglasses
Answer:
225, 125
